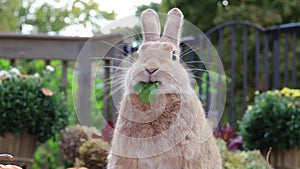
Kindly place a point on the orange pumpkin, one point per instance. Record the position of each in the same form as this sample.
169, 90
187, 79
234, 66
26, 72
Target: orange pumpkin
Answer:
10, 158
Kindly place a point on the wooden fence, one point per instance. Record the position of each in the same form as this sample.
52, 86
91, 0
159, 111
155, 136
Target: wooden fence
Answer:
254, 58
66, 49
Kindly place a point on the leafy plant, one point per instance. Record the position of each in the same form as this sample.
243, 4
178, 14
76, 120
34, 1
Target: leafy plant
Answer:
272, 121
233, 141
28, 106
46, 156
50, 16
51, 79
241, 159
146, 91
73, 137
94, 153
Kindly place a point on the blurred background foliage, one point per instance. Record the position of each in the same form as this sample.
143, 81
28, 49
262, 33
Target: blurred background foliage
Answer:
207, 14
30, 16
38, 17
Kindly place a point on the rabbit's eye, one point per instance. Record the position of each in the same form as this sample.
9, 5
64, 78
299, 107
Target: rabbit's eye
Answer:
173, 57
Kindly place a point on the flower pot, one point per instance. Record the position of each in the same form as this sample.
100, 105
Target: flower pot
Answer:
21, 147
285, 159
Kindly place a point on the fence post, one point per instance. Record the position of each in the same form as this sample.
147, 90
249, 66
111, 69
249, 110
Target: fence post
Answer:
84, 90
276, 59
107, 86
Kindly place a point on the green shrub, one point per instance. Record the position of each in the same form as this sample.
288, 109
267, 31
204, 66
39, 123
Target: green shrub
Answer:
272, 121
241, 159
72, 138
46, 156
94, 153
26, 106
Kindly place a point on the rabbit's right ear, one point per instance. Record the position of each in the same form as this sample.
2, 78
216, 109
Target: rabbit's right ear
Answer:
150, 25
173, 25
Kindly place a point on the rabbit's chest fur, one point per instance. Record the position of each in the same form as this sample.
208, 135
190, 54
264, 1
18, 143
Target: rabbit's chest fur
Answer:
170, 140
160, 119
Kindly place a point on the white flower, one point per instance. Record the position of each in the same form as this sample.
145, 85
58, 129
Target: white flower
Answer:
4, 73
36, 75
14, 71
50, 68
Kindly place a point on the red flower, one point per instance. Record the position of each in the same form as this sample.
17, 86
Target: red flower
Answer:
233, 142
107, 131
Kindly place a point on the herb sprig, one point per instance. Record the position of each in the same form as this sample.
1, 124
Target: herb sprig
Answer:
146, 91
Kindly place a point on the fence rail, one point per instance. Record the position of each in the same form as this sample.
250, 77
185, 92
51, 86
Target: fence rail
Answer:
255, 59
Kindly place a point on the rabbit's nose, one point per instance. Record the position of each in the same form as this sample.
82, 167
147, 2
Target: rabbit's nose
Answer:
151, 70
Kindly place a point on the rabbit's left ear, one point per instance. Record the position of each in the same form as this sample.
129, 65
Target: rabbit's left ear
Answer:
173, 24
150, 25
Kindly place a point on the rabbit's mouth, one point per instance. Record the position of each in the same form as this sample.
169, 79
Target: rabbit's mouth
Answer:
161, 81
166, 82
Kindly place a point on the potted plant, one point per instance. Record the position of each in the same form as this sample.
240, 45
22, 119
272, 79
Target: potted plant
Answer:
233, 141
84, 146
274, 121
29, 114
72, 138
237, 159
94, 152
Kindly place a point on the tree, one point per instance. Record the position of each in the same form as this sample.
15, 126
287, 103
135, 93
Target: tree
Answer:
264, 13
9, 19
152, 5
52, 16
199, 12
207, 14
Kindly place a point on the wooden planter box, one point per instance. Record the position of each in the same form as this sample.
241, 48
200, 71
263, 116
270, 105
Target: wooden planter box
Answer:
285, 159
21, 147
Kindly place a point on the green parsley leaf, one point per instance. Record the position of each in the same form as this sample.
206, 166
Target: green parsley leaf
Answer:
146, 91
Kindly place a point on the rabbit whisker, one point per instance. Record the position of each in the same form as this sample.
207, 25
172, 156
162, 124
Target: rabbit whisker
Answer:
204, 70
113, 46
208, 82
188, 51
201, 62
118, 59
116, 67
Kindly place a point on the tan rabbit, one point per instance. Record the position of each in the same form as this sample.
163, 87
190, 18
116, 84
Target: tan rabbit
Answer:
171, 132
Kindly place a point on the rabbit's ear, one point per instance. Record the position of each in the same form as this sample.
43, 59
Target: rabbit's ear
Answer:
172, 29
150, 25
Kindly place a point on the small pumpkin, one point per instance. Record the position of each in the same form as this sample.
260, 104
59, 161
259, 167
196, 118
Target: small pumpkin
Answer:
8, 157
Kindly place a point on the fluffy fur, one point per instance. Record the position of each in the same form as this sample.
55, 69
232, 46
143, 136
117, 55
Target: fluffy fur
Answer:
171, 132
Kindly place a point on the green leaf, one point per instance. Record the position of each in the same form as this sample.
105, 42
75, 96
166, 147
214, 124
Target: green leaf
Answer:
138, 88
146, 91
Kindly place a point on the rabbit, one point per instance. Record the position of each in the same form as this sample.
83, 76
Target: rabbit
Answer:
170, 132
